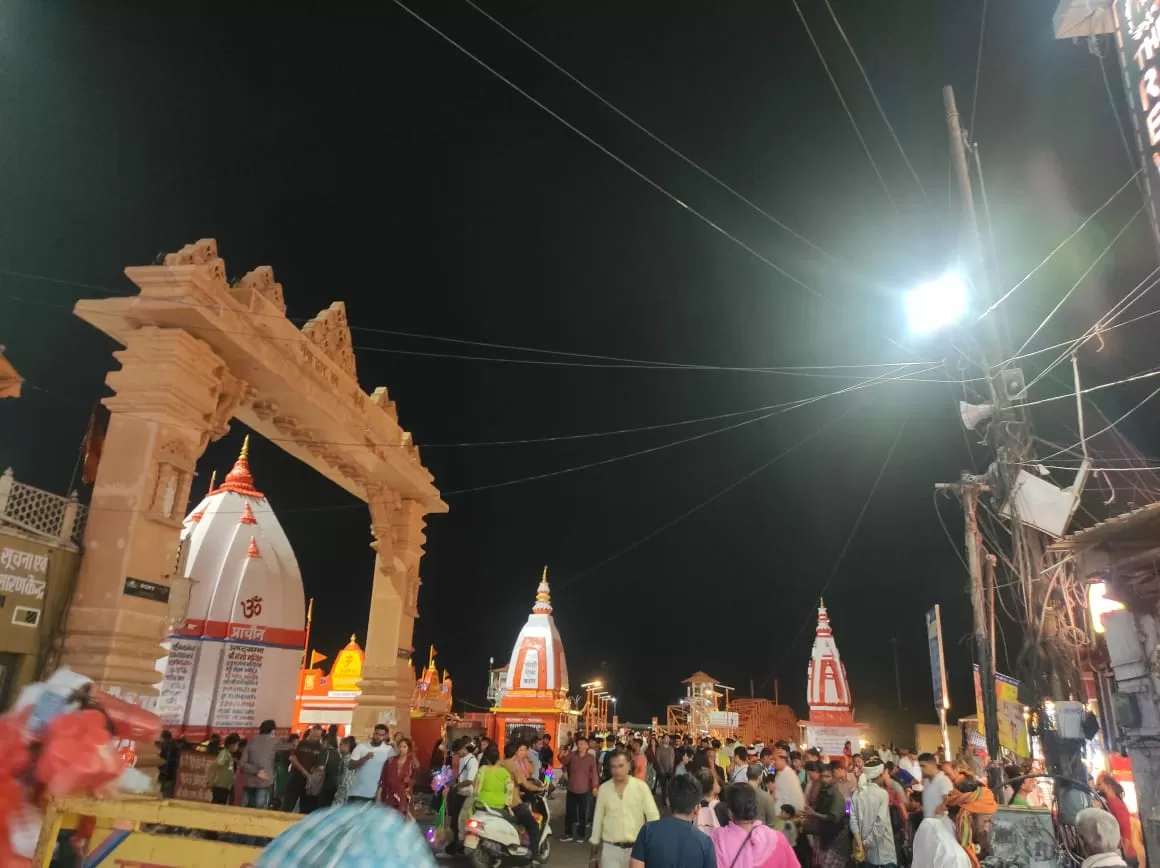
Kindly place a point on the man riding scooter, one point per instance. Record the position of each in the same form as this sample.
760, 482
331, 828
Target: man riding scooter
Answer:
498, 792
516, 762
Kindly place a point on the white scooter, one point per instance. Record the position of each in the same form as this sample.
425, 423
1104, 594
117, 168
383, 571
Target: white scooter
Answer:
495, 840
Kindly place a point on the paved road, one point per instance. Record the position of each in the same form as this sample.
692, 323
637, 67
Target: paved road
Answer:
564, 855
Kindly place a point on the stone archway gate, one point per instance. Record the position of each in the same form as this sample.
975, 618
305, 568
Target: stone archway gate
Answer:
199, 352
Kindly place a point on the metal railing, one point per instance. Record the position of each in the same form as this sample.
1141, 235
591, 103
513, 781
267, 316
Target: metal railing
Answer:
32, 509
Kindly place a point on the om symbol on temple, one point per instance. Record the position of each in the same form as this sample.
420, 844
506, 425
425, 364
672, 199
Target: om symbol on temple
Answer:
252, 607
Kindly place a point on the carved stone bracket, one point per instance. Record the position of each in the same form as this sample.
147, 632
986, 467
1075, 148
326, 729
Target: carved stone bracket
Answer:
381, 398
407, 535
231, 391
331, 334
261, 282
265, 409
382, 502
411, 598
204, 254
173, 477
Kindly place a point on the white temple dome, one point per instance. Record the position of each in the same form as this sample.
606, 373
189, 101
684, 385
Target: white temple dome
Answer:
538, 668
234, 659
236, 550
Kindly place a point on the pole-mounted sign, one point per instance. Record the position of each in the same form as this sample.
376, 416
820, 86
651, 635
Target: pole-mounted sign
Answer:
1138, 42
938, 671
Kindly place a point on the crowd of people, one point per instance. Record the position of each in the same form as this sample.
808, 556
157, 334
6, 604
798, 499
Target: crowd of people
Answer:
761, 806
300, 773
726, 805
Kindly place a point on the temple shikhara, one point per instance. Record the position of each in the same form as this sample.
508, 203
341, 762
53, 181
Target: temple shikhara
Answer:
233, 660
831, 723
535, 685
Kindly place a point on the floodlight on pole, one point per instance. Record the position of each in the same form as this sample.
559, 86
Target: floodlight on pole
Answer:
937, 303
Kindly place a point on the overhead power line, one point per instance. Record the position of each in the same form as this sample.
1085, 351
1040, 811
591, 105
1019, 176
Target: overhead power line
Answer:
616, 458
1109, 427
614, 362
978, 68
1071, 395
618, 159
1101, 324
845, 106
712, 498
1059, 246
525, 441
1086, 272
877, 103
642, 128
845, 547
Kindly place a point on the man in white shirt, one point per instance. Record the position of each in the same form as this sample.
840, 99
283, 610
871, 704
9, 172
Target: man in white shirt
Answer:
870, 819
936, 786
367, 761
460, 798
908, 762
787, 789
739, 768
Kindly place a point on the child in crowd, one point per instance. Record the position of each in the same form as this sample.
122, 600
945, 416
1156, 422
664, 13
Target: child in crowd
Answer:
789, 824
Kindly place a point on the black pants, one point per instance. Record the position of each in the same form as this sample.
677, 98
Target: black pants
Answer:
221, 795
454, 803
295, 794
577, 813
524, 817
663, 788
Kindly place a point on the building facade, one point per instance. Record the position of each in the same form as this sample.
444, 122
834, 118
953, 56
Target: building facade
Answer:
39, 557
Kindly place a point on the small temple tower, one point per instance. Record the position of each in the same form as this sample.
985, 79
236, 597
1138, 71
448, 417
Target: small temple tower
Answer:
828, 694
432, 693
328, 699
233, 661
829, 691
535, 687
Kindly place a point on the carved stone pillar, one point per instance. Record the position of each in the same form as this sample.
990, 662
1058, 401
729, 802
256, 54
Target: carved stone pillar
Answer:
388, 680
172, 394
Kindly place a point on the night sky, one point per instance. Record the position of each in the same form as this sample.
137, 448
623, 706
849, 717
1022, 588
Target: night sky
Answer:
368, 160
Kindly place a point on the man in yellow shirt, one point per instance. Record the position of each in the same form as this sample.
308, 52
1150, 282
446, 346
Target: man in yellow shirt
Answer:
623, 805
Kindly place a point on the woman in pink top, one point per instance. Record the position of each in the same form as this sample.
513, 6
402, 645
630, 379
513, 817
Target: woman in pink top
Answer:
746, 843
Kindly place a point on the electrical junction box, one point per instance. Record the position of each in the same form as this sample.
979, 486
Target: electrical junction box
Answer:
1125, 650
1069, 719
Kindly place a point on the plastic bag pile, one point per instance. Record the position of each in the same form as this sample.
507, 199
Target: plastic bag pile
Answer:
61, 739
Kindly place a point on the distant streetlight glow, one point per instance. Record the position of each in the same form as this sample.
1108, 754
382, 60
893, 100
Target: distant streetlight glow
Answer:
936, 303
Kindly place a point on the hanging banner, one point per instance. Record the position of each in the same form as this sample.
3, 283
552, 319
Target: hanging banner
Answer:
1137, 25
1012, 723
938, 668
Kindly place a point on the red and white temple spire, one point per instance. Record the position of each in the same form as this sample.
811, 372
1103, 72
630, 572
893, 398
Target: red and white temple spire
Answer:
537, 674
829, 690
543, 596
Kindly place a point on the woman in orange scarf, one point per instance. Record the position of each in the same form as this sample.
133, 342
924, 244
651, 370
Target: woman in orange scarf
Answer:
972, 799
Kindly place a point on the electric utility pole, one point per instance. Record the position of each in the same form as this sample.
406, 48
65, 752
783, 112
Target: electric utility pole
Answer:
968, 491
970, 487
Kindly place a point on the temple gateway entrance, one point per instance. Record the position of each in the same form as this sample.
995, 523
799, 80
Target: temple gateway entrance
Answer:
199, 352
